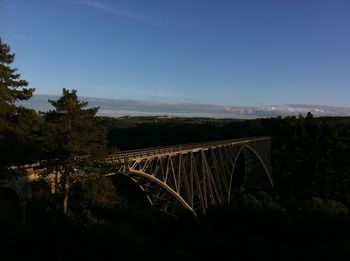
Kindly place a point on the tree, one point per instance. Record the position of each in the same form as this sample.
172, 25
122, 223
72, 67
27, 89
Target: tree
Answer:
92, 196
328, 207
12, 88
73, 141
15, 121
309, 116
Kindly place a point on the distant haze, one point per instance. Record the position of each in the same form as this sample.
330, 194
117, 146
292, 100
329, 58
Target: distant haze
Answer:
118, 108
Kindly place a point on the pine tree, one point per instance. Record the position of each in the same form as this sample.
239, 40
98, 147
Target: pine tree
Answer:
12, 88
15, 121
73, 141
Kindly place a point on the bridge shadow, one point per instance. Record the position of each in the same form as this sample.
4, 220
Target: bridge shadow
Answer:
238, 178
38, 197
137, 197
255, 175
249, 175
129, 191
10, 212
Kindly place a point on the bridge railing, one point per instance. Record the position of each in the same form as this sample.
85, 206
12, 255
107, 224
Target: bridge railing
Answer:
153, 151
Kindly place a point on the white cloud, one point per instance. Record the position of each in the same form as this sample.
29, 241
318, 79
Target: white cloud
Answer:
111, 107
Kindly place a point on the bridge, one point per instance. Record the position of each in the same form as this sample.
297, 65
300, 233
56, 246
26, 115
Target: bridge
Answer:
192, 176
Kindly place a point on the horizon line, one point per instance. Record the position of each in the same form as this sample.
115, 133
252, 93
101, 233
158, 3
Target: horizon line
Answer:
198, 103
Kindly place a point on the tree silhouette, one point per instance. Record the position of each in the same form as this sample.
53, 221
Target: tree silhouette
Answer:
73, 141
15, 121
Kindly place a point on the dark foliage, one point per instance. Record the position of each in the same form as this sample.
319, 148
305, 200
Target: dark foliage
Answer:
306, 217
73, 142
17, 124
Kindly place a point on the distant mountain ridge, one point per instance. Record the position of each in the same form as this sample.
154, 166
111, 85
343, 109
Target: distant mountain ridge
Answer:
122, 107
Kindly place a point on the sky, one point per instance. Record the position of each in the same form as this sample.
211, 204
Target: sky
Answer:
237, 53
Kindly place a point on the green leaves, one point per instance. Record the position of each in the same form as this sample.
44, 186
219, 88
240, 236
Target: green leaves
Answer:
327, 207
73, 140
11, 87
16, 123
72, 130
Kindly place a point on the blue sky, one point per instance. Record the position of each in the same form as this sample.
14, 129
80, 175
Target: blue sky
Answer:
248, 52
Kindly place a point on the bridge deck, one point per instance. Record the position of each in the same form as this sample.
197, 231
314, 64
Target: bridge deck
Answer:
140, 154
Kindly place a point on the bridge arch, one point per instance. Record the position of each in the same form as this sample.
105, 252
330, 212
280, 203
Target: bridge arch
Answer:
39, 188
11, 205
262, 162
166, 187
239, 155
9, 193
